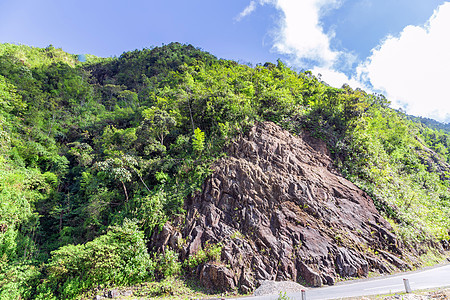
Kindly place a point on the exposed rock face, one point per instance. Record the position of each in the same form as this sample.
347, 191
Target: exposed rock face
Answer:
282, 213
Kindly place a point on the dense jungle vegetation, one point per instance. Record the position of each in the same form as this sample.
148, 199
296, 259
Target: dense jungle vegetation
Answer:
95, 156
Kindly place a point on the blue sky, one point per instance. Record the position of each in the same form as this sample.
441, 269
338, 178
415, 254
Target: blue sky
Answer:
398, 47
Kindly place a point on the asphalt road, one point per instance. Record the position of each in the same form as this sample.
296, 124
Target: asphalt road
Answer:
425, 279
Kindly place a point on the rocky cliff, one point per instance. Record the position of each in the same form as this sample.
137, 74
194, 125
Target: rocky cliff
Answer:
281, 212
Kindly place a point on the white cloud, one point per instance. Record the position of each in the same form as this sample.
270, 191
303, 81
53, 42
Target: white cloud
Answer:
413, 69
300, 33
247, 10
338, 79
300, 36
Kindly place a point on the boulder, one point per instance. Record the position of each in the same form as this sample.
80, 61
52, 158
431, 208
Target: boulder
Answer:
215, 277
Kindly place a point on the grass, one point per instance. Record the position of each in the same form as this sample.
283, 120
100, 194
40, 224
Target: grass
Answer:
432, 257
189, 288
169, 288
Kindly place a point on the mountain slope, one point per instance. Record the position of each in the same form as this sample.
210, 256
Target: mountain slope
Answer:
95, 151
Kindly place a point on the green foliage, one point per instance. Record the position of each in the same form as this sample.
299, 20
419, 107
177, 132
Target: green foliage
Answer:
82, 153
149, 210
167, 264
10, 101
119, 257
283, 296
198, 141
211, 253
172, 287
158, 122
16, 280
386, 158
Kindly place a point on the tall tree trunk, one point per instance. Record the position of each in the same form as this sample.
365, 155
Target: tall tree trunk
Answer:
190, 113
125, 190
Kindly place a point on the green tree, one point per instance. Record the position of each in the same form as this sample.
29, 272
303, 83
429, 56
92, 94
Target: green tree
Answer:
158, 122
117, 169
198, 141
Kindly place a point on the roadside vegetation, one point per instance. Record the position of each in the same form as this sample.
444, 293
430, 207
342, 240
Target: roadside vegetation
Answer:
438, 294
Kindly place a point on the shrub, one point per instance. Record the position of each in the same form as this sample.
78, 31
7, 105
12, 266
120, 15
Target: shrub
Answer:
211, 253
167, 264
119, 257
16, 279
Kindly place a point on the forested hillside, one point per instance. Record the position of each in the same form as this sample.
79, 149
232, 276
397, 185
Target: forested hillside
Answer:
96, 156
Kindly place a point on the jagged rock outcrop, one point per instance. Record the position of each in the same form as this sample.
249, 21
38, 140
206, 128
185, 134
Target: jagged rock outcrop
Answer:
433, 162
281, 212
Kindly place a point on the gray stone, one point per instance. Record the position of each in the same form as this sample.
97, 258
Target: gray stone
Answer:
309, 275
269, 287
113, 293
